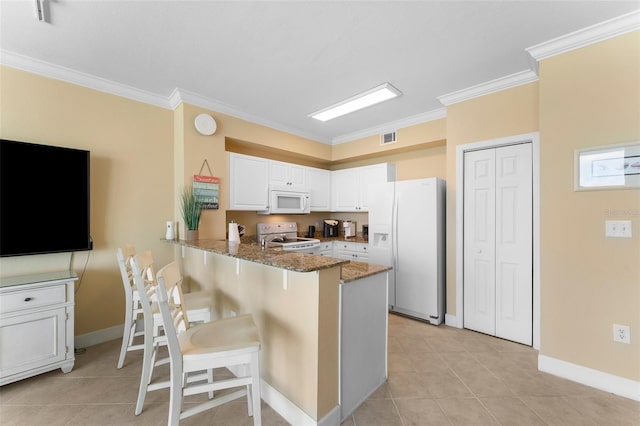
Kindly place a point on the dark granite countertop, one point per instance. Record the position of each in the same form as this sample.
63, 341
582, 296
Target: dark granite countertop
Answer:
250, 250
276, 257
252, 239
353, 271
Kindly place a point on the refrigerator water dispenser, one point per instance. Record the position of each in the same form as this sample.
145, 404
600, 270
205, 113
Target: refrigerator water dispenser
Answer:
381, 240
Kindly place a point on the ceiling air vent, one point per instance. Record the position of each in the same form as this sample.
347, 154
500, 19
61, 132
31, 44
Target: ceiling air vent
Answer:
386, 138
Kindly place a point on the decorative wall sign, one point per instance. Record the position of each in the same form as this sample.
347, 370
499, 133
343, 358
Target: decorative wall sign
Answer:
608, 167
207, 189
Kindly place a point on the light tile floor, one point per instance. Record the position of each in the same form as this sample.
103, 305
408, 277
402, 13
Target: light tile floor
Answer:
448, 376
437, 376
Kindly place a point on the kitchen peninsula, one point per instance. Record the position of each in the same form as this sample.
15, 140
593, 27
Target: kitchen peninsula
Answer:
308, 309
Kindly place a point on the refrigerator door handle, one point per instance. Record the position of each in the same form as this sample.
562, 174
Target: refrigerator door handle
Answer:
394, 242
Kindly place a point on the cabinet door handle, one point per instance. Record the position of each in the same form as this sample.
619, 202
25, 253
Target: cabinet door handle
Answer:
28, 299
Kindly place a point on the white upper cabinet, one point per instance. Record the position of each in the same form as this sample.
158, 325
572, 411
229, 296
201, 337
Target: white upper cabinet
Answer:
350, 187
344, 190
287, 174
372, 176
248, 182
319, 182
341, 190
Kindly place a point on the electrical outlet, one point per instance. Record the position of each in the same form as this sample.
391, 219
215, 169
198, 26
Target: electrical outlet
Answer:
618, 228
621, 333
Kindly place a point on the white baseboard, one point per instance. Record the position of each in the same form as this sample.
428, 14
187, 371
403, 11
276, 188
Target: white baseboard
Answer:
332, 418
452, 321
590, 377
100, 336
289, 411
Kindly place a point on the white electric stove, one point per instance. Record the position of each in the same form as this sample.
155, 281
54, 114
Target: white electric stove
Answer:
285, 235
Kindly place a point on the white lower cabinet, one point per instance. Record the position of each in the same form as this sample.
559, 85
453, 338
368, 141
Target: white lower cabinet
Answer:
36, 325
351, 251
326, 248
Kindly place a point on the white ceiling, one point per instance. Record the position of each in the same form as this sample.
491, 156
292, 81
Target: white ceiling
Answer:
275, 62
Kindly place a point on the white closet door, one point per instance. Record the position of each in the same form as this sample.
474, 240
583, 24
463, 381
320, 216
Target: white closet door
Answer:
479, 241
498, 257
514, 251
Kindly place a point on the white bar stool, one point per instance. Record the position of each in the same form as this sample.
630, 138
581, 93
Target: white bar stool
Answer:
144, 280
231, 342
198, 304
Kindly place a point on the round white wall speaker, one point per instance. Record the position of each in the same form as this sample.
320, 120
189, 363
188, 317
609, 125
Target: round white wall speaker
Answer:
205, 124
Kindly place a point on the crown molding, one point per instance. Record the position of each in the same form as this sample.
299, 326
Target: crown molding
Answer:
436, 114
599, 32
497, 85
57, 72
184, 96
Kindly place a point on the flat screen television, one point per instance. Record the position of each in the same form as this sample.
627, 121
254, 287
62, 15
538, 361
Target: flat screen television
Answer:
44, 199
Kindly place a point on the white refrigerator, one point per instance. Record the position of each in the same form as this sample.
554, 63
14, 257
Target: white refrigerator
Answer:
407, 232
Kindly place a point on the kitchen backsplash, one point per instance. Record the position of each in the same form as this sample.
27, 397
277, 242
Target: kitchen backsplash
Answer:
251, 219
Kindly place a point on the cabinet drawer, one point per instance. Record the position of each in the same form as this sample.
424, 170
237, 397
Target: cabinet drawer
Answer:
324, 245
342, 245
352, 246
32, 298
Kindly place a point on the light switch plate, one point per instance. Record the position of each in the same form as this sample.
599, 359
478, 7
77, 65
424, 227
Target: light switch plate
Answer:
618, 228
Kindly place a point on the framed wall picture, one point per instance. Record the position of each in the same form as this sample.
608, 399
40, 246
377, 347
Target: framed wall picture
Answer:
608, 167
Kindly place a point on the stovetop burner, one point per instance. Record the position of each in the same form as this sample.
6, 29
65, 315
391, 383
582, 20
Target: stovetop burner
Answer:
285, 235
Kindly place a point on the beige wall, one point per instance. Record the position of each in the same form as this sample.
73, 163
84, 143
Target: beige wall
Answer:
589, 97
131, 176
251, 219
409, 138
506, 113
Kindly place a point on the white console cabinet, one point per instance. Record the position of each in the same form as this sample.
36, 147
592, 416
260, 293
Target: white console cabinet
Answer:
36, 325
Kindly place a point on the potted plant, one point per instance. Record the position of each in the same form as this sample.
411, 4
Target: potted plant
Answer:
191, 209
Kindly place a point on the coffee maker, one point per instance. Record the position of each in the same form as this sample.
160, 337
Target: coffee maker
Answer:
349, 228
330, 228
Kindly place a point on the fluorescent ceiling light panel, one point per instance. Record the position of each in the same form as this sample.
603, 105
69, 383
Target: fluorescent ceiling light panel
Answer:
382, 93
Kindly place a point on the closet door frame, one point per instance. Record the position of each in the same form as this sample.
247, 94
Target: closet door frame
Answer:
457, 320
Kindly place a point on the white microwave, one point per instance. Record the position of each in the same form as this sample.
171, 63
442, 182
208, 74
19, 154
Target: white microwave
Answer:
287, 200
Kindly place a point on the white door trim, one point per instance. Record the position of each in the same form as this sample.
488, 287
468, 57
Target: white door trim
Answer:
534, 139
